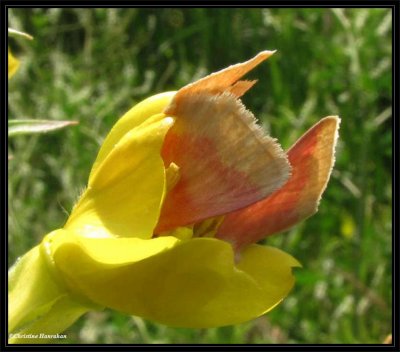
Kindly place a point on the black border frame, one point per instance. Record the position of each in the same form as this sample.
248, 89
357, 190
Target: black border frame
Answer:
393, 4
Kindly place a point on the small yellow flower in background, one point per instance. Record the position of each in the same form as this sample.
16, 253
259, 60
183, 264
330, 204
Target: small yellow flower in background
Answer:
183, 187
18, 127
13, 64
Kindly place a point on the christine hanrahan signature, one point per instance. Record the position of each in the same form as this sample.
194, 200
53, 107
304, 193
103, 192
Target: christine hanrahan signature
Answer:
38, 336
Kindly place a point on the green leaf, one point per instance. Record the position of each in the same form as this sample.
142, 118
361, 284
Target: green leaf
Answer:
18, 127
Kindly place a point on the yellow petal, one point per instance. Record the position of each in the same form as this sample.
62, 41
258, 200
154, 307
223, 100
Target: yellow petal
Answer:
13, 64
38, 300
62, 314
133, 118
125, 191
32, 289
271, 268
191, 283
109, 251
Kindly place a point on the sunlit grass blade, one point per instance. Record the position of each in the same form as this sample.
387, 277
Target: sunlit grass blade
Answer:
19, 127
15, 33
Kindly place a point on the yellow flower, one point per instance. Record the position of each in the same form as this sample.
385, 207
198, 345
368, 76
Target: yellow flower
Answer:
183, 187
13, 64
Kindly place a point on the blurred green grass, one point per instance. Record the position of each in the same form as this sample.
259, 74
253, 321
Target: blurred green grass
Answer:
92, 65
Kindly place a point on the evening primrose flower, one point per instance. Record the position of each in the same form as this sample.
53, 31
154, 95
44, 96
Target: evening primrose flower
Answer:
182, 188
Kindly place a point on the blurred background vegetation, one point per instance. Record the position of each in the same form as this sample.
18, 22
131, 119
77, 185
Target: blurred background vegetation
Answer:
92, 65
